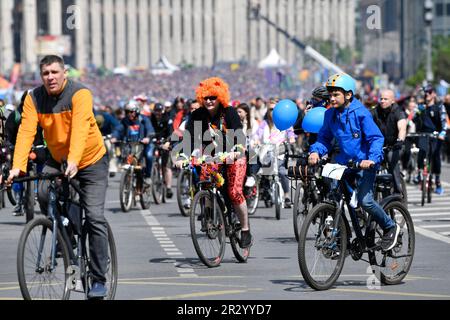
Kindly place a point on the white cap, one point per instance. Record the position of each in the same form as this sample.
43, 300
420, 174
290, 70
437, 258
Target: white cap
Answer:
10, 107
167, 104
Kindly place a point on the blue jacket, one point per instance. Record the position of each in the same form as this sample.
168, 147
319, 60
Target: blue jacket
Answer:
358, 136
134, 130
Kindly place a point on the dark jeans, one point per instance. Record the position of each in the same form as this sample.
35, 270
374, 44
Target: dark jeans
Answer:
393, 167
365, 186
435, 154
93, 182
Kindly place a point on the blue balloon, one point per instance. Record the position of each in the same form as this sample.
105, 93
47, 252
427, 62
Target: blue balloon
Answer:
313, 121
285, 114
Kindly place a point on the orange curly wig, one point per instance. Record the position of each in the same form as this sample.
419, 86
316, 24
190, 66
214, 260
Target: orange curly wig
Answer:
213, 87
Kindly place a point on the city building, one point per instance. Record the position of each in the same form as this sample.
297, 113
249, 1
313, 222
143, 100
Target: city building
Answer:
136, 33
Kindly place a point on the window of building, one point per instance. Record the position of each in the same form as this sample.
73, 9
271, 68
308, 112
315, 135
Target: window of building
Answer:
448, 9
439, 9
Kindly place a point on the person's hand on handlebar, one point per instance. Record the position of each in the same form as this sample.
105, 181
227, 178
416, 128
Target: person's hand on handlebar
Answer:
113, 140
71, 170
145, 140
14, 173
313, 159
166, 146
366, 164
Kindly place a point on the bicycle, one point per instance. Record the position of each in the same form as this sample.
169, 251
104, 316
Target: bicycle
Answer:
310, 188
132, 182
384, 182
326, 236
212, 219
186, 188
272, 189
5, 161
53, 252
426, 184
158, 181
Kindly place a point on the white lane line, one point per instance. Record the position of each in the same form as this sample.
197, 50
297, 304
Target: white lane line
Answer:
437, 226
167, 244
446, 233
432, 234
437, 214
424, 209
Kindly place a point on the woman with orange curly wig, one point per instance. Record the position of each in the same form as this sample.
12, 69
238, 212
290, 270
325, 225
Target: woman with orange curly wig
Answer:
215, 122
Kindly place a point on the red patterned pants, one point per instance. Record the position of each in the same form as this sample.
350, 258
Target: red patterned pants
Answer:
235, 177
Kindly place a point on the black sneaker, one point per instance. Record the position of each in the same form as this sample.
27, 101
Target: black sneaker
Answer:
287, 203
246, 239
390, 238
169, 194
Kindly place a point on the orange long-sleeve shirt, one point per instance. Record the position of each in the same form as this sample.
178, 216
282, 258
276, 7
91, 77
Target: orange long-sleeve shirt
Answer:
69, 125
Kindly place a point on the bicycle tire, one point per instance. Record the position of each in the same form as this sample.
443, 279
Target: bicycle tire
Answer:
429, 188
23, 261
320, 212
29, 200
11, 197
146, 195
298, 211
423, 187
112, 272
241, 254
126, 191
2, 199
406, 224
180, 185
157, 184
252, 205
278, 201
207, 236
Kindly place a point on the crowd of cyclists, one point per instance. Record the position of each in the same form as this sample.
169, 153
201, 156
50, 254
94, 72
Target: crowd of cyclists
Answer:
351, 130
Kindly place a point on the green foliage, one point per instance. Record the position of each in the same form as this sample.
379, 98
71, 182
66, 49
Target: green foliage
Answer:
441, 62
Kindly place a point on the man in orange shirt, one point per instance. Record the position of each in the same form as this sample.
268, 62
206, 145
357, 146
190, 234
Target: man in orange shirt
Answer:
64, 110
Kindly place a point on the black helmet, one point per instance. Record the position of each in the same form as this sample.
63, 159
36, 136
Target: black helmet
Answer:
321, 93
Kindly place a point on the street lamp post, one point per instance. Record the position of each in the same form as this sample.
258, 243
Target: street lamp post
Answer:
428, 17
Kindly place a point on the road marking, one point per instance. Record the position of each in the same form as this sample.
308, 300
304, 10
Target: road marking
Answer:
432, 234
437, 214
436, 226
446, 233
394, 293
165, 242
203, 294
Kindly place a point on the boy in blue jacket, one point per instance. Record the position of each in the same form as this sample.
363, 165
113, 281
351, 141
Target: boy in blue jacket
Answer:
360, 140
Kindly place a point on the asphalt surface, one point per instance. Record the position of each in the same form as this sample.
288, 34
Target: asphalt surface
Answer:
157, 260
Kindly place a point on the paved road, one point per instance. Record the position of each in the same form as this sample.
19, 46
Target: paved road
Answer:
157, 259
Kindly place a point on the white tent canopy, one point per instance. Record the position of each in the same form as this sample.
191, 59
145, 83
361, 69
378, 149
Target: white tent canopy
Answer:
163, 66
273, 60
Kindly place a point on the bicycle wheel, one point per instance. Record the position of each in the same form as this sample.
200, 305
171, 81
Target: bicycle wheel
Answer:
252, 196
126, 191
11, 197
320, 258
183, 191
300, 209
429, 188
241, 254
207, 229
2, 198
29, 200
157, 183
277, 200
37, 278
146, 194
392, 267
423, 186
111, 269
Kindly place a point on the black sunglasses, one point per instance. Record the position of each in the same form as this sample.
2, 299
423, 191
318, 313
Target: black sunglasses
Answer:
210, 98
